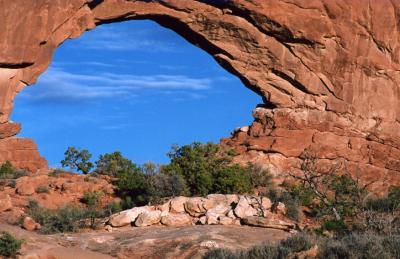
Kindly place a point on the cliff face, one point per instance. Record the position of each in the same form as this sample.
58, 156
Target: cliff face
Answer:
328, 71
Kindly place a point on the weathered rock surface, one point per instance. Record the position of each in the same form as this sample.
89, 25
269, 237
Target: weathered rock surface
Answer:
152, 242
328, 71
5, 202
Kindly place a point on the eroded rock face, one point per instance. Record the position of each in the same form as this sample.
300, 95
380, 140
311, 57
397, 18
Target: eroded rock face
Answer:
328, 71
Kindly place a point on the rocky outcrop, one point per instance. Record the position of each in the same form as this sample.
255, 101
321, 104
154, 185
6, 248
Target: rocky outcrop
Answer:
215, 209
328, 71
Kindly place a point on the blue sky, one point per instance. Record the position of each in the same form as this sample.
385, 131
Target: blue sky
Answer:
135, 87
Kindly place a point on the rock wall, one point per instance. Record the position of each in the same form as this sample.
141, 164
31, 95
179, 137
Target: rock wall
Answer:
328, 71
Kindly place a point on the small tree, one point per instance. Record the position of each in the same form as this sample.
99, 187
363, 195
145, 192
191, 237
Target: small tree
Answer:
77, 159
337, 193
114, 163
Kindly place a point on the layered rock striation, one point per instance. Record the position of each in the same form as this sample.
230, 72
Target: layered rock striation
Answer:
328, 71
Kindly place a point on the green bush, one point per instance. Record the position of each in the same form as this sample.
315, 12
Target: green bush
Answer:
91, 199
77, 159
9, 245
133, 184
7, 171
66, 219
207, 168
338, 226
115, 163
232, 179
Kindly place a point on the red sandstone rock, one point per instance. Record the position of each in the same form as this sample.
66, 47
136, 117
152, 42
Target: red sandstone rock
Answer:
330, 67
29, 224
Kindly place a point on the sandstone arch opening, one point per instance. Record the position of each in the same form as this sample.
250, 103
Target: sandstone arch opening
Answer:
135, 87
322, 90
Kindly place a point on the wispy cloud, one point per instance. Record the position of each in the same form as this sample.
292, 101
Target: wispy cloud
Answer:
58, 85
114, 38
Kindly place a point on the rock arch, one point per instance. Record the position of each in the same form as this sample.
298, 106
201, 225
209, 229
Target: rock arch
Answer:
328, 71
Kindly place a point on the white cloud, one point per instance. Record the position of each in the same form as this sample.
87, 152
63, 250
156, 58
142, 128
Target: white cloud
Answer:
112, 38
58, 85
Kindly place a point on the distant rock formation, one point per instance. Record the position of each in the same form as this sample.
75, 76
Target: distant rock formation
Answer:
328, 71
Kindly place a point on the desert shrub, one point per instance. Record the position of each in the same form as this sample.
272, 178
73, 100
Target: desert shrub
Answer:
133, 184
42, 189
114, 163
338, 226
112, 208
392, 244
207, 168
232, 179
259, 177
290, 200
280, 250
91, 199
77, 159
354, 246
389, 203
7, 171
162, 185
65, 219
299, 242
338, 194
9, 245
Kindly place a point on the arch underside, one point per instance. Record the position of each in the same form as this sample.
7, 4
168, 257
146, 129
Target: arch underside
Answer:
326, 92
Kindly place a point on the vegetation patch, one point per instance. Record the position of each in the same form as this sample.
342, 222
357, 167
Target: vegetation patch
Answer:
9, 245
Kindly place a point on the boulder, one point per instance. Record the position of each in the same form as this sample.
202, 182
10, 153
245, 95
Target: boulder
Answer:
127, 217
224, 220
176, 220
194, 206
148, 218
220, 209
212, 218
280, 208
269, 223
177, 204
164, 208
5, 202
243, 208
30, 224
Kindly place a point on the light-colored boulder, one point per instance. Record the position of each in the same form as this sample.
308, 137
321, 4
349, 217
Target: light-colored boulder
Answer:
126, 217
203, 220
212, 218
176, 220
266, 203
177, 204
280, 208
220, 209
164, 208
231, 214
224, 220
148, 218
243, 208
194, 206
5, 202
275, 223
